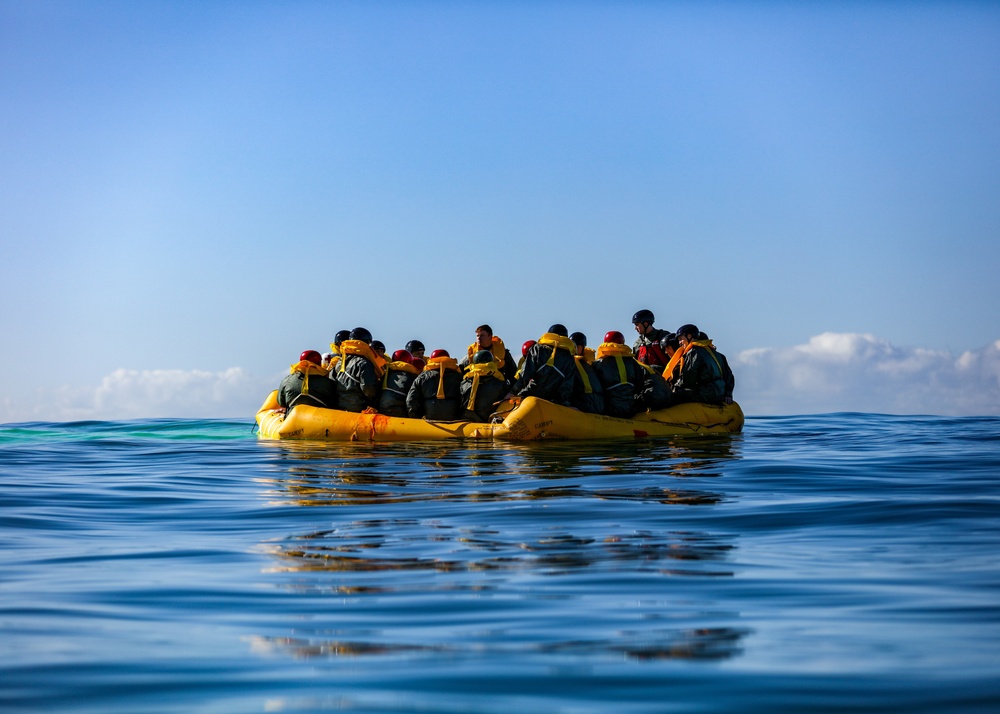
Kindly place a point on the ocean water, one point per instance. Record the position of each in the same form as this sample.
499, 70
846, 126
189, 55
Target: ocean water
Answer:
844, 562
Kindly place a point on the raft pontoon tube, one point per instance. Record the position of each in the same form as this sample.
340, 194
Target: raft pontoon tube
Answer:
530, 420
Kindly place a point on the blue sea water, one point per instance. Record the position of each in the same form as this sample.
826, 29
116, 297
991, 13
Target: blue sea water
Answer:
844, 562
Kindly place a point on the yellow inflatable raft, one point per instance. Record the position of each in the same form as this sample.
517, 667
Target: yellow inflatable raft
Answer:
531, 419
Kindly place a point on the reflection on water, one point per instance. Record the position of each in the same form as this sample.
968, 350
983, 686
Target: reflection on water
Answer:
699, 644
469, 527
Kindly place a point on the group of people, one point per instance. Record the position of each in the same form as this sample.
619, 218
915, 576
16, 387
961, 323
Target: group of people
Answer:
660, 370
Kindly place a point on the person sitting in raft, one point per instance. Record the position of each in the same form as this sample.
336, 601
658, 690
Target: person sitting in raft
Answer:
415, 348
483, 387
580, 340
727, 374
327, 358
436, 393
587, 393
335, 347
378, 347
297, 388
624, 379
548, 370
359, 372
527, 345
647, 347
396, 383
486, 340
697, 373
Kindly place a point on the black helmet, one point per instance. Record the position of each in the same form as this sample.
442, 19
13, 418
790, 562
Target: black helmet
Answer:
558, 329
414, 346
482, 357
688, 329
579, 338
360, 333
643, 316
669, 340
378, 346
341, 336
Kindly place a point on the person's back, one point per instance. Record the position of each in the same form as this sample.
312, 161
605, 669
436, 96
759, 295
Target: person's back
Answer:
396, 382
548, 371
436, 392
728, 378
483, 387
358, 373
588, 393
700, 378
624, 380
307, 383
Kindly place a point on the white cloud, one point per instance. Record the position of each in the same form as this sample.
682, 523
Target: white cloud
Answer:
148, 394
850, 372
832, 372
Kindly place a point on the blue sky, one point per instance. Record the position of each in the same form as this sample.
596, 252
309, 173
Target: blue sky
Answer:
192, 193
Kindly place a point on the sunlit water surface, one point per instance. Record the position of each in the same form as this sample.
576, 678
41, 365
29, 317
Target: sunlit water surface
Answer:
832, 563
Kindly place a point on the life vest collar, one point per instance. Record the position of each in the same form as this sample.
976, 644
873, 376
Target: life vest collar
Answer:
401, 367
361, 349
613, 349
436, 363
484, 370
439, 365
307, 367
497, 348
557, 341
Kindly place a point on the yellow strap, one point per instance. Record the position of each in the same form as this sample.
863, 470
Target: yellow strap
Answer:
622, 376
707, 344
475, 388
583, 375
440, 394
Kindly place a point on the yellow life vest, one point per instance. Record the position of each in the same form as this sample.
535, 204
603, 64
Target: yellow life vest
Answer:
497, 348
362, 349
580, 359
588, 355
306, 368
477, 372
441, 364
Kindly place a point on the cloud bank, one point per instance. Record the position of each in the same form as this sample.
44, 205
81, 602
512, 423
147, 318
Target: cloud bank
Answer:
833, 372
836, 372
149, 394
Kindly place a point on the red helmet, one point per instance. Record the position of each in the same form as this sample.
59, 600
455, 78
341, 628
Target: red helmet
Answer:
419, 363
527, 346
311, 356
402, 356
615, 336
439, 353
